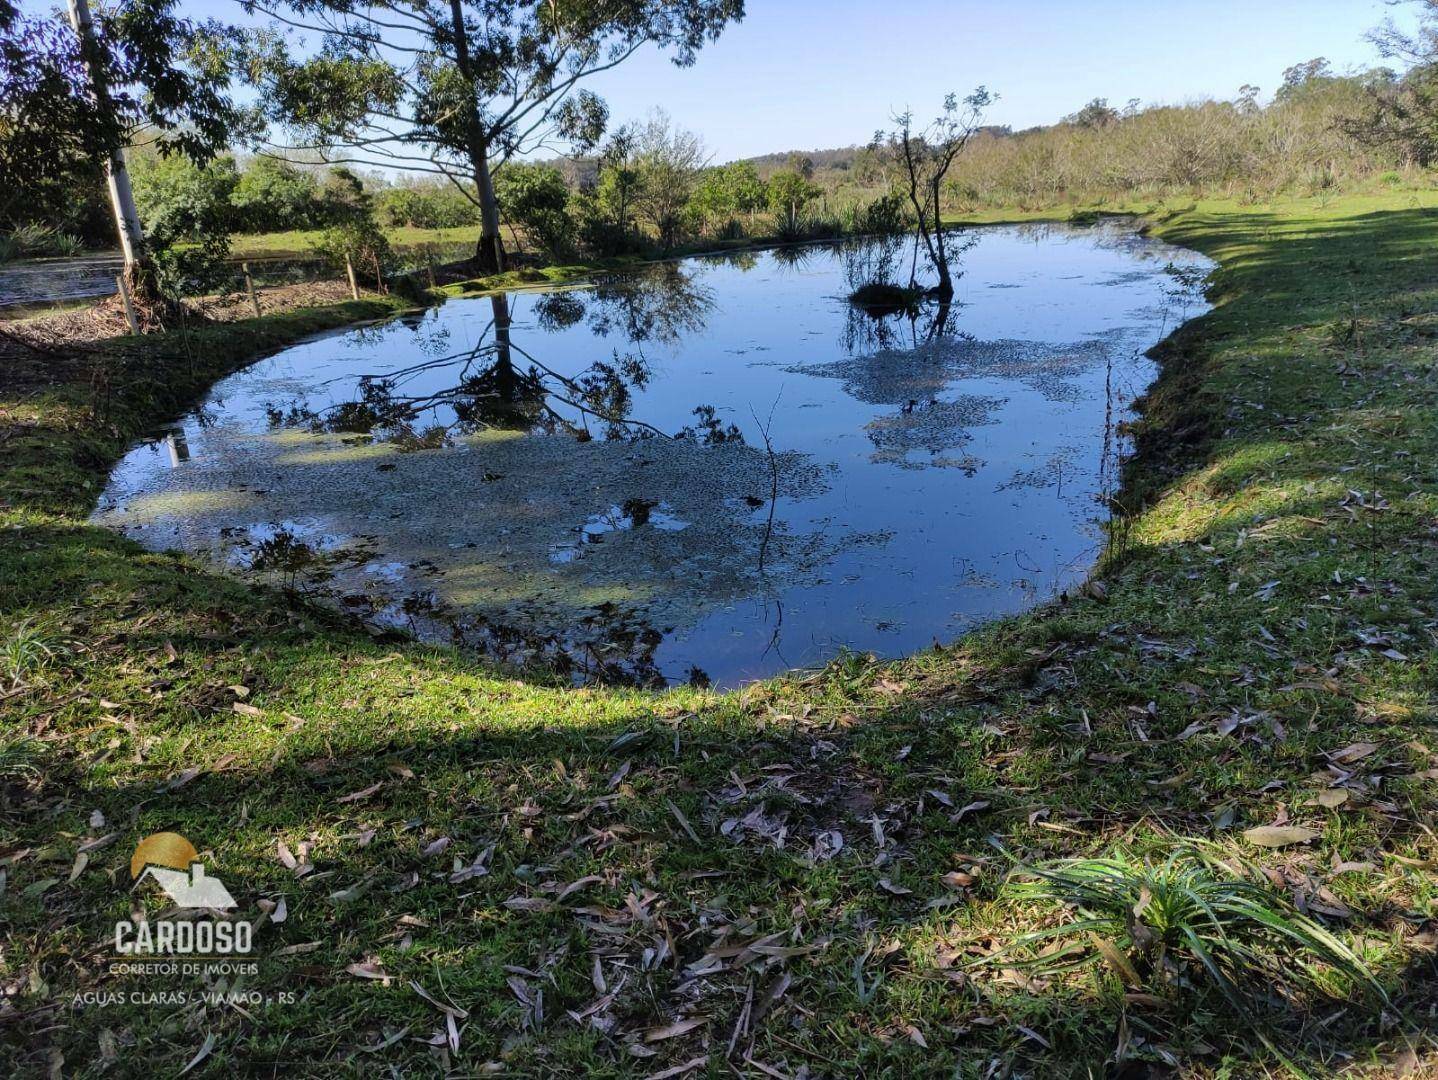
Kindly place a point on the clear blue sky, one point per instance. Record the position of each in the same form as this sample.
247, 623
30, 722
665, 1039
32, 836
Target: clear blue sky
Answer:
812, 74
808, 74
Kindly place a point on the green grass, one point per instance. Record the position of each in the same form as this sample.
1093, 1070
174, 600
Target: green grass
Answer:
1264, 637
294, 242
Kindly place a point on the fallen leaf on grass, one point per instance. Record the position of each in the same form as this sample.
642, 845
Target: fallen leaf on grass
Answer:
1276, 836
180, 779
679, 1027
536, 904
683, 821
369, 970
356, 796
384, 1044
298, 950
245, 709
435, 847
1035, 1036
1332, 798
1354, 752
202, 1053
957, 879
971, 808
353, 893
681, 1069
277, 910
828, 844
889, 887
447, 1009
1117, 959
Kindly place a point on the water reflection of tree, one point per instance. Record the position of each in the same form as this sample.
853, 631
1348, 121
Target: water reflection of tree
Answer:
500, 384
870, 330
920, 320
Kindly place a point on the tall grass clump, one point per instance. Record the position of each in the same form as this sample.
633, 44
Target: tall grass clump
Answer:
1187, 922
24, 651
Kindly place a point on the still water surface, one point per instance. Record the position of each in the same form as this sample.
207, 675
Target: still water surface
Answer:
503, 472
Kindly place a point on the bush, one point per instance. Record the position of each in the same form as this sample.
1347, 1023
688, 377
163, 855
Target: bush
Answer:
536, 198
788, 193
427, 207
272, 195
884, 216
363, 243
186, 212
1188, 921
1305, 140
598, 232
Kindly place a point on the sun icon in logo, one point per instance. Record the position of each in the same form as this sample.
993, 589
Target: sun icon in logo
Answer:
163, 849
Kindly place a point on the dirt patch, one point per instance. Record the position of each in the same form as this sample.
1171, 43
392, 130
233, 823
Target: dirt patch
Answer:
274, 300
78, 328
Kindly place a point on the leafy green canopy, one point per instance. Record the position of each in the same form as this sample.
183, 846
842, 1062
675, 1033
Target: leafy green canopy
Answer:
165, 80
442, 86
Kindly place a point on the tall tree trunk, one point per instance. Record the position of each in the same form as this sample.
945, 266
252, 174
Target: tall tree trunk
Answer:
489, 253
945, 289
139, 268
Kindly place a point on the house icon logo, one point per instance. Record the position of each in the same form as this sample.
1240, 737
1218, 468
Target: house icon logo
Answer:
174, 865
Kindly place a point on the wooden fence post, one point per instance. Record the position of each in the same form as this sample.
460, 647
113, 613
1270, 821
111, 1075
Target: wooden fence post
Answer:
129, 305
350, 270
250, 288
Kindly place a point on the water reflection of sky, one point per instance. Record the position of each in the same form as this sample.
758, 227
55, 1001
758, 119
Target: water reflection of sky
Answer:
922, 484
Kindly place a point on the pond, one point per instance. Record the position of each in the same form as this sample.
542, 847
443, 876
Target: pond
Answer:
711, 470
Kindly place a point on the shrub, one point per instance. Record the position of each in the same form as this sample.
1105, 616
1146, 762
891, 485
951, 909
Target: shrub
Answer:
536, 198
35, 240
273, 195
363, 243
788, 193
884, 216
427, 207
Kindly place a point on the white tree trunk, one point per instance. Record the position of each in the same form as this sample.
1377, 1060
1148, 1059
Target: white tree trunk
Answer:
117, 178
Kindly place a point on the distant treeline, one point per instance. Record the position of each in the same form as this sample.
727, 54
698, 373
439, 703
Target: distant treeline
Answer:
1321, 132
652, 186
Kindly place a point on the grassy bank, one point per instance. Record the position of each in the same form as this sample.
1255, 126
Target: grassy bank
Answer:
301, 242
462, 869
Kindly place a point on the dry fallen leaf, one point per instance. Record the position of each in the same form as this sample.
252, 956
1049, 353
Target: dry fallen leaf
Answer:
356, 796
435, 847
1332, 797
679, 1027
369, 970
1353, 752
201, 1054
1118, 960
957, 879
1276, 836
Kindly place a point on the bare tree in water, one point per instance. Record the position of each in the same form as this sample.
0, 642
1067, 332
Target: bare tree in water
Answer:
922, 157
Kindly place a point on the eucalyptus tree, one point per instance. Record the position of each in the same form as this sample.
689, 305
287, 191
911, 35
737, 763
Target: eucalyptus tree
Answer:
1404, 107
459, 87
923, 157
85, 91
668, 160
